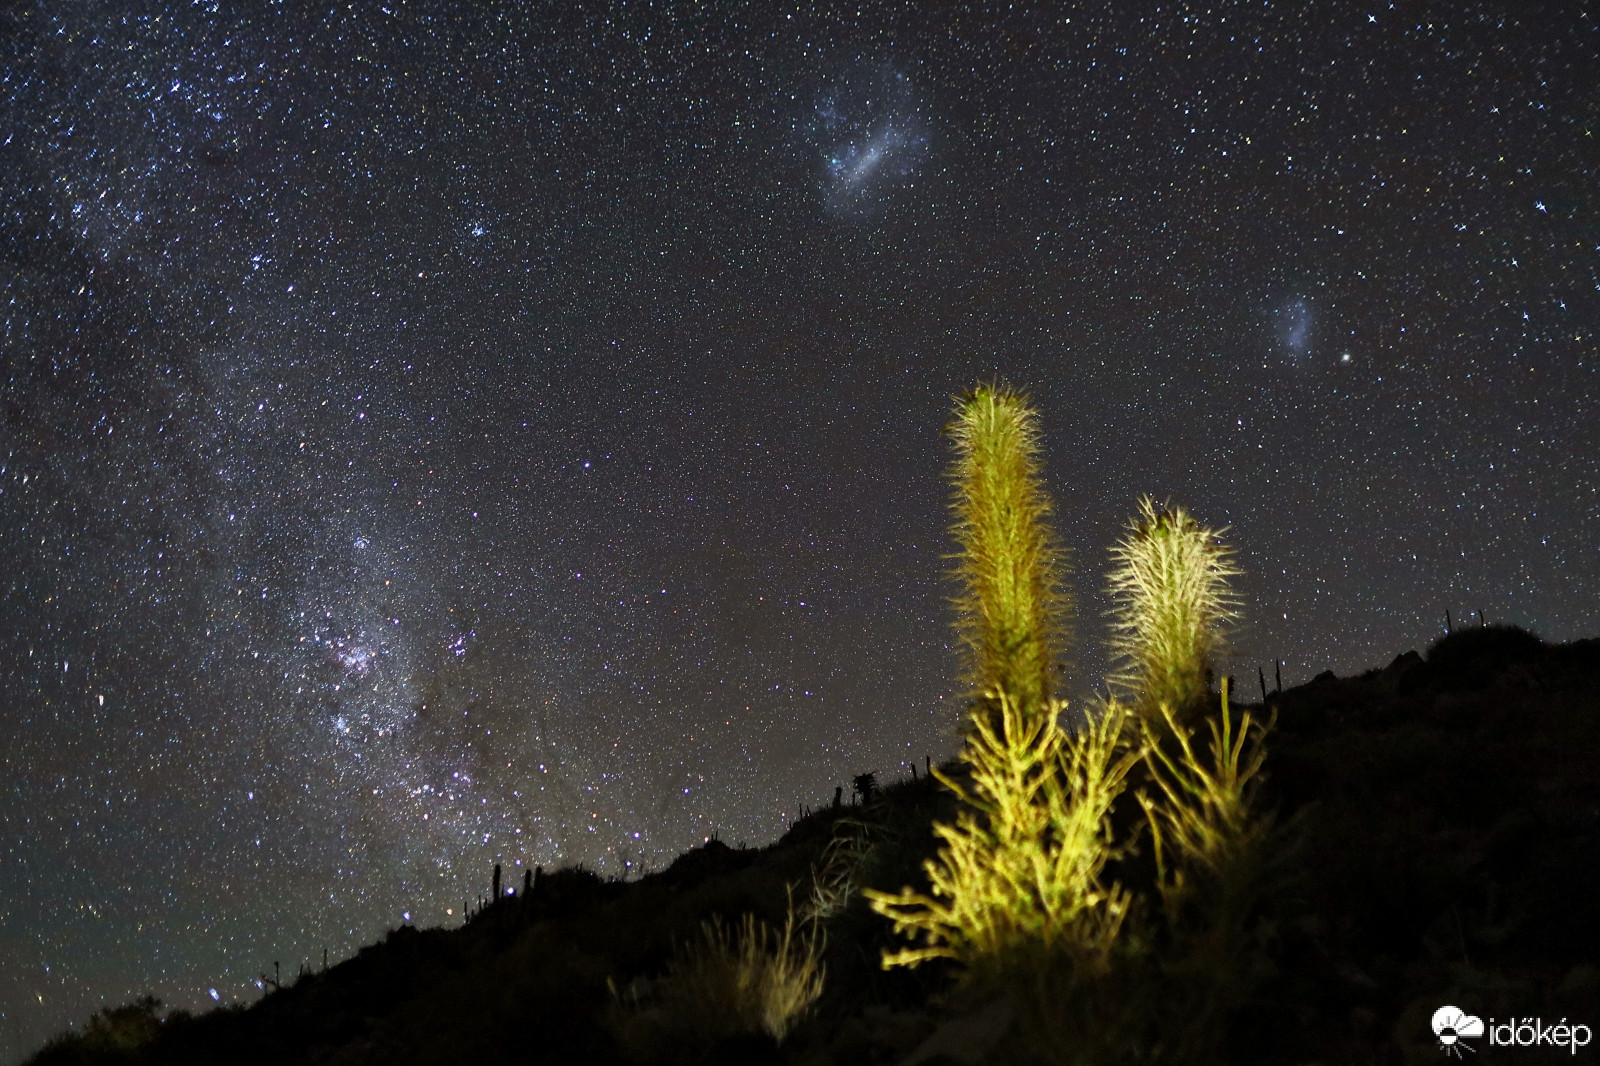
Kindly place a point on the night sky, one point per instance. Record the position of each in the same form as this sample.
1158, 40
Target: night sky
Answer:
434, 437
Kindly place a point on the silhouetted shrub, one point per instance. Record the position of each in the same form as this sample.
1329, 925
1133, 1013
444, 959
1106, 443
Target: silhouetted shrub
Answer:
709, 860
112, 1035
1497, 644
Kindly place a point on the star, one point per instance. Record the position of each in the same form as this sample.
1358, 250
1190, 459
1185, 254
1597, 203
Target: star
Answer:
365, 376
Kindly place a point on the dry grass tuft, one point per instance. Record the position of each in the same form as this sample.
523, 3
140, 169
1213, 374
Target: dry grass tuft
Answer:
834, 876
752, 979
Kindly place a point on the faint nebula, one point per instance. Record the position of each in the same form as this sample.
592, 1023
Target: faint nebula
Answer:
1293, 322
867, 126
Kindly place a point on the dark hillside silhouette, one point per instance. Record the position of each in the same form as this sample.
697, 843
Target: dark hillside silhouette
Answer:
1449, 853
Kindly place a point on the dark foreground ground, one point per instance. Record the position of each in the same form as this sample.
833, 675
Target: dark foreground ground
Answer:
1449, 853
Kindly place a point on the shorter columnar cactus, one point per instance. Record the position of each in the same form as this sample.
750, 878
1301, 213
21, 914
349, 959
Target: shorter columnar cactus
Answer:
1172, 602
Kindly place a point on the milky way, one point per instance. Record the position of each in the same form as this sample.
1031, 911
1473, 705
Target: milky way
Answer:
442, 434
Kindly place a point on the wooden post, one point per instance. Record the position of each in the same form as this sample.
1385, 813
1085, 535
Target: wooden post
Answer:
1449, 627
1262, 676
527, 881
497, 882
1277, 669
838, 796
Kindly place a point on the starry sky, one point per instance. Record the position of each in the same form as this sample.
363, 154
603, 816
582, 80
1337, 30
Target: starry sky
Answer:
441, 434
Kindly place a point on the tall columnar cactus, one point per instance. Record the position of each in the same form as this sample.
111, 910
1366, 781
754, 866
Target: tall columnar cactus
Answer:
1020, 871
1020, 893
1172, 604
1012, 610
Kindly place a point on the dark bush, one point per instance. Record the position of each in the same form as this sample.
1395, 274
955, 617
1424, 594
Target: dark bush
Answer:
1474, 646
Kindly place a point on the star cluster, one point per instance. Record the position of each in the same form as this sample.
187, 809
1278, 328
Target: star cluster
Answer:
444, 434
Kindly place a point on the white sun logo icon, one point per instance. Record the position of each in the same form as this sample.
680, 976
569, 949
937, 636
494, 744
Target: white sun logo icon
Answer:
1452, 1025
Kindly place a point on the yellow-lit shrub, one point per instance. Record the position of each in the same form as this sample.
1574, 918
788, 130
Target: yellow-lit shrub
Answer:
1216, 855
1020, 871
1203, 821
